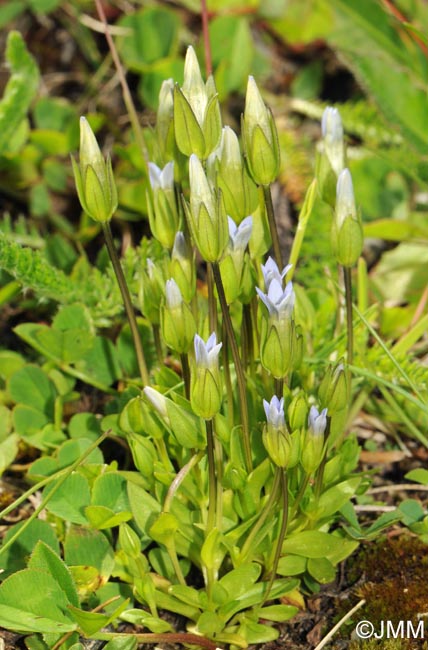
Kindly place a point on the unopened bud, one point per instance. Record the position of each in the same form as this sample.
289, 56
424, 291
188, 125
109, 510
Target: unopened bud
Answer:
347, 231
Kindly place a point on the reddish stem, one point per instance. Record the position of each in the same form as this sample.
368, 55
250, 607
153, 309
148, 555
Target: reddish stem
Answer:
206, 35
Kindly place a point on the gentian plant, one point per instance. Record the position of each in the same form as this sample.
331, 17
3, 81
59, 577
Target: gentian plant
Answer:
243, 473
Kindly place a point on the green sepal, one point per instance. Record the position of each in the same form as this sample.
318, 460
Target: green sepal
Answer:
188, 133
212, 125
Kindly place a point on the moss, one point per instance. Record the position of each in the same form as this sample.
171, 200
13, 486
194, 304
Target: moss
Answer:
393, 579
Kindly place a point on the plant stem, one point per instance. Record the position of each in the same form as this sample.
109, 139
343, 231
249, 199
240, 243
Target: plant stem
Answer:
179, 478
249, 542
238, 365
186, 373
129, 309
212, 305
282, 531
272, 225
300, 494
227, 379
279, 387
158, 343
320, 473
348, 301
302, 222
212, 488
206, 35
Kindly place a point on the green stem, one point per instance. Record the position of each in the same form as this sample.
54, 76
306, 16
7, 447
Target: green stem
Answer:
227, 380
267, 509
212, 487
320, 473
349, 326
300, 494
212, 305
238, 365
179, 478
158, 343
249, 334
206, 35
272, 225
129, 309
186, 373
282, 532
302, 223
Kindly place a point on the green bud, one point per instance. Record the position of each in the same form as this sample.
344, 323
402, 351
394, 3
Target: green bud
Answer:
333, 390
143, 454
162, 206
347, 231
197, 118
206, 215
177, 321
248, 281
150, 292
260, 137
260, 240
94, 177
205, 386
297, 412
129, 541
183, 267
313, 442
239, 191
276, 346
164, 120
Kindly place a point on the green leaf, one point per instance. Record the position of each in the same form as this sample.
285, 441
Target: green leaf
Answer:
84, 546
32, 387
291, 565
30, 594
101, 361
144, 508
102, 518
92, 622
8, 451
153, 35
233, 52
277, 613
84, 425
419, 475
70, 500
238, 581
321, 569
20, 89
315, 544
45, 559
383, 62
110, 490
335, 497
129, 643
15, 557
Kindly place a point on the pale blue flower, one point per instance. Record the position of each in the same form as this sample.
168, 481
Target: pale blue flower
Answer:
206, 354
239, 236
271, 271
275, 412
317, 421
161, 179
279, 301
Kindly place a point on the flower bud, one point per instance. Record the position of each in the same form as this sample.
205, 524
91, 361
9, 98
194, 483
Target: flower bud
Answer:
164, 120
205, 385
240, 193
232, 264
197, 119
150, 292
276, 437
347, 231
313, 443
297, 412
129, 541
183, 267
260, 137
94, 177
333, 390
206, 215
332, 132
177, 321
163, 212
